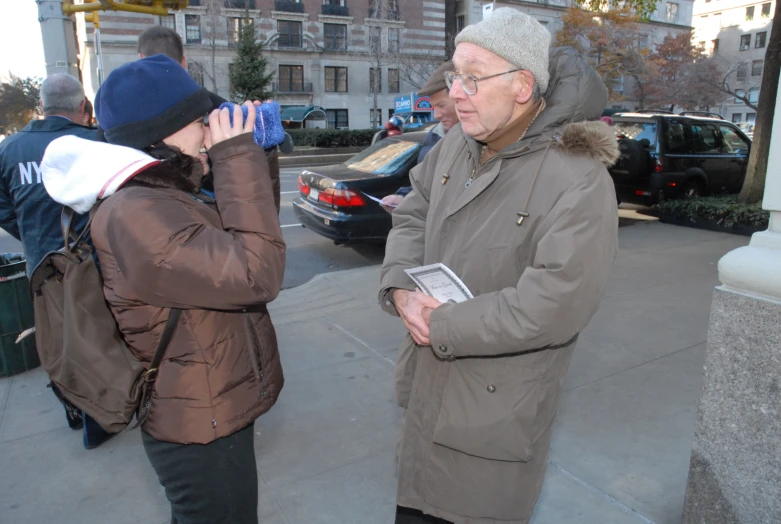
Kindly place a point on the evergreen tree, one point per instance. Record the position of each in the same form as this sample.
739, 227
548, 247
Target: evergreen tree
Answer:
248, 77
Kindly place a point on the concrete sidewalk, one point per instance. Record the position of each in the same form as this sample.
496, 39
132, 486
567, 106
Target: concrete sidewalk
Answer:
325, 453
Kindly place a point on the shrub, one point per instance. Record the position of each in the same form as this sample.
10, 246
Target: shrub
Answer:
725, 210
332, 137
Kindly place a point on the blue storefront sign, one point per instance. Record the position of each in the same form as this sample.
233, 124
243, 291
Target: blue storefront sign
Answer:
412, 103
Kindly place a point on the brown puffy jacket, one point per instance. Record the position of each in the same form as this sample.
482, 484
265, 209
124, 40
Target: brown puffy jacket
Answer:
159, 248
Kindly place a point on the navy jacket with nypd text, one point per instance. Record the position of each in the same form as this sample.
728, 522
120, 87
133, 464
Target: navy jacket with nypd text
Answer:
27, 212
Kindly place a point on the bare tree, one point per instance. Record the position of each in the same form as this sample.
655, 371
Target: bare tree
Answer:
383, 13
415, 70
214, 21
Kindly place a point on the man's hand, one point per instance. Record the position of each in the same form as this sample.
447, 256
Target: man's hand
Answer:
220, 128
415, 310
390, 202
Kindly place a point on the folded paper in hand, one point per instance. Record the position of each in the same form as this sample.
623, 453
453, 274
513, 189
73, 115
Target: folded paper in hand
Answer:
438, 281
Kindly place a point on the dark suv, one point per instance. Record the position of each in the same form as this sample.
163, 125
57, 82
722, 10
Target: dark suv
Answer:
664, 155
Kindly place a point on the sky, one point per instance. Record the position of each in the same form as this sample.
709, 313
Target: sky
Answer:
21, 48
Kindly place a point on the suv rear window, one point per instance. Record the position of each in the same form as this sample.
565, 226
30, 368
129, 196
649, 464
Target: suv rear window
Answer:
638, 131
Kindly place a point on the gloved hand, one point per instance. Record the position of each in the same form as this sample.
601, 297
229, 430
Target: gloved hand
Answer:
268, 124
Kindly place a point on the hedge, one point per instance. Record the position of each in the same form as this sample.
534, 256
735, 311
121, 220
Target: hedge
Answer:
332, 137
725, 210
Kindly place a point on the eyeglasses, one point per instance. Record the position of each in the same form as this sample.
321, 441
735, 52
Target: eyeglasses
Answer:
469, 82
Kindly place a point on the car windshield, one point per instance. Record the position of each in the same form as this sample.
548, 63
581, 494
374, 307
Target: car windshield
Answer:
639, 131
385, 157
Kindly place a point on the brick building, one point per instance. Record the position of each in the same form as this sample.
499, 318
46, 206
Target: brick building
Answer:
319, 50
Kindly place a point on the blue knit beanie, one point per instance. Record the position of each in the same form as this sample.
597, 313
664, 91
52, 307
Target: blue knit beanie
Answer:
145, 101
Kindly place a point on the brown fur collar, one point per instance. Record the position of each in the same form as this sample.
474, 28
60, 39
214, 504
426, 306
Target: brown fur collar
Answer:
596, 140
182, 172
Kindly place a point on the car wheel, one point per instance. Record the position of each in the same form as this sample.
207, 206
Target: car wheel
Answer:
692, 189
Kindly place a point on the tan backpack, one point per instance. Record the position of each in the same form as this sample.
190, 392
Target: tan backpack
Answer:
79, 342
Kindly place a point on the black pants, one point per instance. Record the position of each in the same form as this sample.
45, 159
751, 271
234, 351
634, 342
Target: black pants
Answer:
414, 516
216, 483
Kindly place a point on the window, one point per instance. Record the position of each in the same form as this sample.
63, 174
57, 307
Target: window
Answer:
460, 23
192, 24
766, 10
375, 118
751, 118
375, 38
739, 93
742, 70
734, 144
642, 41
336, 79
756, 67
337, 118
289, 34
196, 71
375, 80
706, 139
715, 45
618, 84
672, 12
168, 21
233, 28
701, 44
737, 117
677, 140
291, 78
391, 112
745, 42
750, 13
394, 84
384, 157
394, 37
760, 40
753, 95
335, 36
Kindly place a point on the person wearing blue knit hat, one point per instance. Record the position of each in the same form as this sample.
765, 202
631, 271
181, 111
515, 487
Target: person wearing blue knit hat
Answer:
165, 248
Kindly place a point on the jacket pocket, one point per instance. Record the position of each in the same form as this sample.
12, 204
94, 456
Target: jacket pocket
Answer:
489, 408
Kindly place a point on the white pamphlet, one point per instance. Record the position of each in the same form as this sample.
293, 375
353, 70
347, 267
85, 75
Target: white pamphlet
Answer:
438, 281
379, 201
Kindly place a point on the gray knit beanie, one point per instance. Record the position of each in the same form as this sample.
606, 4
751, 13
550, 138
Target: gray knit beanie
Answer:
516, 37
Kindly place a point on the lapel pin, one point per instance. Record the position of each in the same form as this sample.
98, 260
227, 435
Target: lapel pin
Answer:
445, 178
521, 216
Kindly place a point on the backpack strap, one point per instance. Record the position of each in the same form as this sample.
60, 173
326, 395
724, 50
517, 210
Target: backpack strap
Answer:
150, 376
66, 224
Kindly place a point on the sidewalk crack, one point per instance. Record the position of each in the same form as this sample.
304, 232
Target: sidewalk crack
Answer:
340, 328
593, 489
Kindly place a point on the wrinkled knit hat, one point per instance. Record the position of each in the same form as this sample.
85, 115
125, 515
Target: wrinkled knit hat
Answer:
145, 101
516, 37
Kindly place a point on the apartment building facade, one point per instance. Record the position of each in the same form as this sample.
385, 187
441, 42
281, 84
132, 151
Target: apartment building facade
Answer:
670, 18
736, 32
319, 50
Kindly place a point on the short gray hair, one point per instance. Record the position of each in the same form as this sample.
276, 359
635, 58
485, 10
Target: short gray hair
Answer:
61, 93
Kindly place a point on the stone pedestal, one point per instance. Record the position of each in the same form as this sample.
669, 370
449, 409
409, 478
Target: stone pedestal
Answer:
735, 470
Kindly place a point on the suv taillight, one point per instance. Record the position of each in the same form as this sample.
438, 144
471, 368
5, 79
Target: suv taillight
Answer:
659, 167
341, 198
303, 186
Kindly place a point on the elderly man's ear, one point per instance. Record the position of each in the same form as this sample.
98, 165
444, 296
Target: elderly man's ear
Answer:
524, 95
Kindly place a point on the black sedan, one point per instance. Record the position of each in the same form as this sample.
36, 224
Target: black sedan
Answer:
340, 202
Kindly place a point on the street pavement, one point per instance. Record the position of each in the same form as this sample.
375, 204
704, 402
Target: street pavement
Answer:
621, 445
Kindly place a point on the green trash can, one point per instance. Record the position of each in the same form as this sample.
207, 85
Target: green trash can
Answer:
16, 316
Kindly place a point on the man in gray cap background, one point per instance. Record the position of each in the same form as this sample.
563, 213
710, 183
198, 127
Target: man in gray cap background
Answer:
444, 110
517, 202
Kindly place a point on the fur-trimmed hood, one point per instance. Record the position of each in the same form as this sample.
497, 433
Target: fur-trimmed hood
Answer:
593, 139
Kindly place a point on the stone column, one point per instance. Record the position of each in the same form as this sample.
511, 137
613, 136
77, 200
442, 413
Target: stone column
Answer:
735, 470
